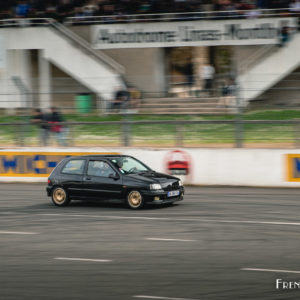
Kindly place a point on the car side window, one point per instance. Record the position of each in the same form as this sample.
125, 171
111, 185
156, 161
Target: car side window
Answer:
128, 165
99, 168
75, 166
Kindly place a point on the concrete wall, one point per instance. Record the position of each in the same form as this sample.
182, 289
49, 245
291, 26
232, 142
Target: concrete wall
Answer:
145, 68
284, 94
92, 73
232, 167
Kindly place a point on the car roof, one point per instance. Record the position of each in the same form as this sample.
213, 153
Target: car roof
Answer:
99, 156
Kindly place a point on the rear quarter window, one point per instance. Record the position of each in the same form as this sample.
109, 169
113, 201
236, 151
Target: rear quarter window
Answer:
75, 166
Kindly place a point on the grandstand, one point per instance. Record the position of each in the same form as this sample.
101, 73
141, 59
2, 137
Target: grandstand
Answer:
60, 9
55, 51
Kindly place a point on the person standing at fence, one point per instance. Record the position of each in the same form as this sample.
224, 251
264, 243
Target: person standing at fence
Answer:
121, 100
41, 120
228, 98
55, 118
189, 71
284, 36
134, 98
207, 73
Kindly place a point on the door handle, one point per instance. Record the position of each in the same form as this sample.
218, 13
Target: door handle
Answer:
88, 178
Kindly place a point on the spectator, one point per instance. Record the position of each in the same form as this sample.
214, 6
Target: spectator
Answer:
78, 12
294, 6
207, 73
226, 9
22, 9
117, 101
59, 9
145, 7
228, 94
39, 119
121, 100
135, 98
90, 9
284, 35
56, 128
189, 72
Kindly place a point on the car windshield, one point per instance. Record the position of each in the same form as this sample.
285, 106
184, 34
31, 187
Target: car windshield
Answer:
127, 165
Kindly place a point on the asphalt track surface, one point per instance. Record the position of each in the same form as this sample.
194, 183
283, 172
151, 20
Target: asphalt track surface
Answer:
219, 243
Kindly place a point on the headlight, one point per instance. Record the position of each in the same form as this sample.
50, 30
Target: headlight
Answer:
155, 186
180, 183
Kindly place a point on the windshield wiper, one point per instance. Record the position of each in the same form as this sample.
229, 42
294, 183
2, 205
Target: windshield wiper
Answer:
147, 171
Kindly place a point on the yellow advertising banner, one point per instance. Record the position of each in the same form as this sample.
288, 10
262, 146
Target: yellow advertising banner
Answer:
293, 167
35, 164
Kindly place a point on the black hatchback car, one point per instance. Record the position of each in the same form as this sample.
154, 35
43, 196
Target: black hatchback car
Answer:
106, 177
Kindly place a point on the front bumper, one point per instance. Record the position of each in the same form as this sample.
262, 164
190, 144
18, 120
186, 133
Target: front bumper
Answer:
161, 197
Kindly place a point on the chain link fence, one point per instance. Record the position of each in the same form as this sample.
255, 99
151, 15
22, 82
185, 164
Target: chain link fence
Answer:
169, 133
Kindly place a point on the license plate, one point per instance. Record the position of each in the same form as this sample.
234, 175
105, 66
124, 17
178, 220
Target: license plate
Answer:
173, 193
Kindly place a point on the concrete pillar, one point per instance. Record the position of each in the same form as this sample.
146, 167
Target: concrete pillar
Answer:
160, 73
24, 57
145, 68
201, 57
44, 67
19, 92
4, 85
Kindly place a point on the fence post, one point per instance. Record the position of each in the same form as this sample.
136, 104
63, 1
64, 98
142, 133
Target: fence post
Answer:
126, 130
238, 133
19, 135
179, 135
70, 135
239, 124
296, 125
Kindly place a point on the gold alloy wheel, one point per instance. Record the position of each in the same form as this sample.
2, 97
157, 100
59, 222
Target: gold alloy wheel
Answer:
59, 196
135, 199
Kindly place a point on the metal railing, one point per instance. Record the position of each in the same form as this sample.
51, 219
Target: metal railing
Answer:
67, 33
164, 133
154, 17
182, 16
256, 57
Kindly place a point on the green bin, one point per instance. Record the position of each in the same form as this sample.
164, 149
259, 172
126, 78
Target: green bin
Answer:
84, 103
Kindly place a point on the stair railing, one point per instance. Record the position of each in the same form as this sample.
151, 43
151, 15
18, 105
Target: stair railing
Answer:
67, 33
257, 56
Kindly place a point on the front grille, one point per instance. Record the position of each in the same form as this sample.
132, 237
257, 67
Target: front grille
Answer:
170, 186
175, 185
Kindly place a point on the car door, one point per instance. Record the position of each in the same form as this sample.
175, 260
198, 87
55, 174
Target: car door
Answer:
71, 177
102, 181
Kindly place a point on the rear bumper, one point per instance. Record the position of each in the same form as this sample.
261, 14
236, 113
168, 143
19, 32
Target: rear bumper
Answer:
49, 190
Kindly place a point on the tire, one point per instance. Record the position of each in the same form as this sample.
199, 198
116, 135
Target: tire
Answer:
60, 196
134, 200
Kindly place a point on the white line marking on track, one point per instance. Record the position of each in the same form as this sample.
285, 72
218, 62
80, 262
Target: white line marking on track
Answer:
179, 219
162, 298
169, 240
270, 270
108, 217
82, 259
18, 232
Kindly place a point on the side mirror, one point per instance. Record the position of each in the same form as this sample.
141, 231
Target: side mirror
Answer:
114, 176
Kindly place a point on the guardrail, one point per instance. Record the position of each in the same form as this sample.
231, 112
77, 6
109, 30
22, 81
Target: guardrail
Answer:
164, 133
